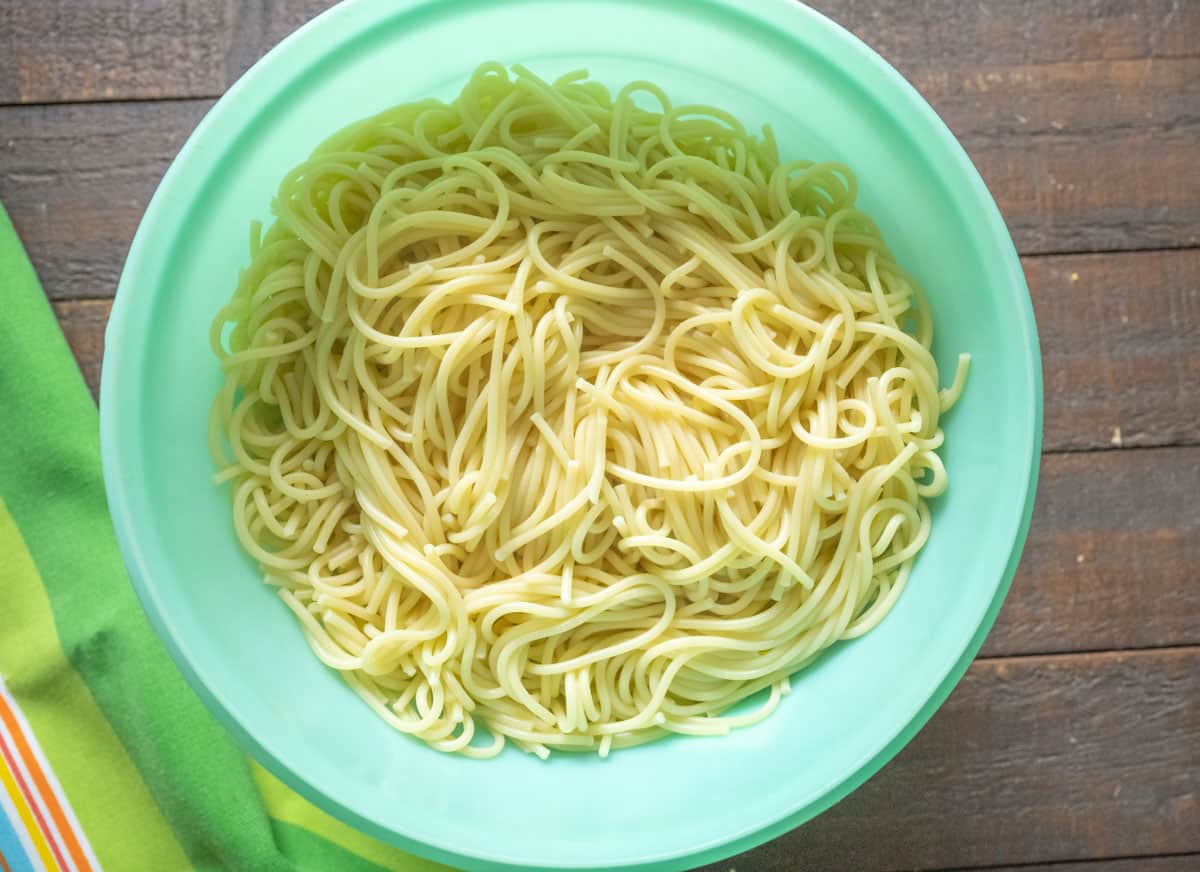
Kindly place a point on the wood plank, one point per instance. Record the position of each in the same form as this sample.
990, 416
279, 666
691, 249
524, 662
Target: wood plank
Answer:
1087, 156
75, 180
1177, 863
113, 49
1112, 560
937, 32
1051, 102
1113, 556
82, 322
1030, 760
58, 50
1120, 337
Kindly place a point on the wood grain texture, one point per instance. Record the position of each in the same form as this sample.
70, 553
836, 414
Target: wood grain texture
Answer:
119, 49
82, 322
1178, 863
59, 50
937, 32
76, 179
1112, 559
1030, 760
1113, 556
1120, 337
1084, 156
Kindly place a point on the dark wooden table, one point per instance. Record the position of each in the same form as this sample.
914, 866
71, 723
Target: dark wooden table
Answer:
1073, 743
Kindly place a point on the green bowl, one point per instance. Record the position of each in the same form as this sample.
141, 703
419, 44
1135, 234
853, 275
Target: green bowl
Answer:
673, 803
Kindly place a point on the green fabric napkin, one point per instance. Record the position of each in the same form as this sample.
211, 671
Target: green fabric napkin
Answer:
136, 775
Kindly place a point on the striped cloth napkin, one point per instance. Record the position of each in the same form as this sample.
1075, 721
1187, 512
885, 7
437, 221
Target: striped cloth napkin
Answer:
107, 758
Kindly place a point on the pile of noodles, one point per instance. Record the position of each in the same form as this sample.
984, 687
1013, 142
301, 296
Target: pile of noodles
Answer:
562, 420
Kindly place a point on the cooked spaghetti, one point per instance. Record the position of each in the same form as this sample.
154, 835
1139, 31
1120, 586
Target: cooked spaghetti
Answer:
574, 419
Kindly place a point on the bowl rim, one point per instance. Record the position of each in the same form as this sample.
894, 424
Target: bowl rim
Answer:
288, 59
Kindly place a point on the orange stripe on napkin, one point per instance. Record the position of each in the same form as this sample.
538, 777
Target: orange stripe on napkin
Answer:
27, 820
47, 793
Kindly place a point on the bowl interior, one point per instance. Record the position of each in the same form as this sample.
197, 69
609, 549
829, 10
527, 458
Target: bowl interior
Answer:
826, 96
